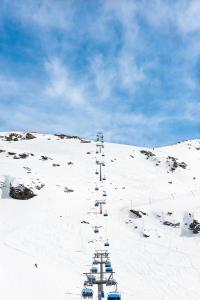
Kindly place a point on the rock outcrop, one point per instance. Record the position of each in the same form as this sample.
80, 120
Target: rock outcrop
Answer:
21, 192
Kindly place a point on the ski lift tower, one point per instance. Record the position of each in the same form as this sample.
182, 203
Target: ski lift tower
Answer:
100, 204
100, 163
100, 141
101, 258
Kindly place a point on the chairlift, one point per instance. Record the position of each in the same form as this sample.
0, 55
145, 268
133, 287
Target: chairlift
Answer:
114, 296
109, 270
96, 188
94, 269
91, 278
105, 214
104, 178
96, 204
96, 172
106, 244
104, 194
108, 265
96, 230
111, 282
87, 293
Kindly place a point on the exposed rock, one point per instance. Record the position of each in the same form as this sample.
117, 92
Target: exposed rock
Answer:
174, 164
11, 153
66, 190
13, 137
23, 155
21, 192
195, 226
29, 136
39, 186
55, 165
84, 222
147, 153
171, 224
43, 157
137, 213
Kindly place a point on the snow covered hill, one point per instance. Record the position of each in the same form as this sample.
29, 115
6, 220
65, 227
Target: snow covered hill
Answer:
47, 241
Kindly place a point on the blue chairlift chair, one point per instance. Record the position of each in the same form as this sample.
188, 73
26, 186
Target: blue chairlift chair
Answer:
114, 296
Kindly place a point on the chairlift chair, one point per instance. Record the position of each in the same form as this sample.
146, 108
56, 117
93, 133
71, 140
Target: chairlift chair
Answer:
111, 282
114, 296
96, 230
109, 270
106, 244
87, 293
105, 214
91, 278
94, 269
96, 188
108, 265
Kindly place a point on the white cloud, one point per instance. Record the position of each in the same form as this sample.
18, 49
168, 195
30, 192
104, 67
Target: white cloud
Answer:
61, 84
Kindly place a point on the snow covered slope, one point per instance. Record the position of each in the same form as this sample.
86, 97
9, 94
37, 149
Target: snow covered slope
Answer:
48, 241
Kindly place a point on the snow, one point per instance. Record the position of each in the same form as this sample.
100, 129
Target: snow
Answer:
47, 230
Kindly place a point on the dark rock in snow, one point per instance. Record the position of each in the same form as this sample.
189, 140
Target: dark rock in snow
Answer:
171, 224
148, 154
195, 226
23, 155
138, 213
66, 190
29, 136
11, 153
21, 192
85, 222
43, 157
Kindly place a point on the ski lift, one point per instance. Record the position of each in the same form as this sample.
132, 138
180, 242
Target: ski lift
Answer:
108, 265
87, 293
96, 230
91, 278
104, 178
104, 194
105, 214
96, 204
103, 164
111, 282
96, 188
106, 244
96, 172
109, 270
93, 269
114, 296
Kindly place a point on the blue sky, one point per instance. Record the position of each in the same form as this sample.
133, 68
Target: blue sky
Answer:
130, 68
